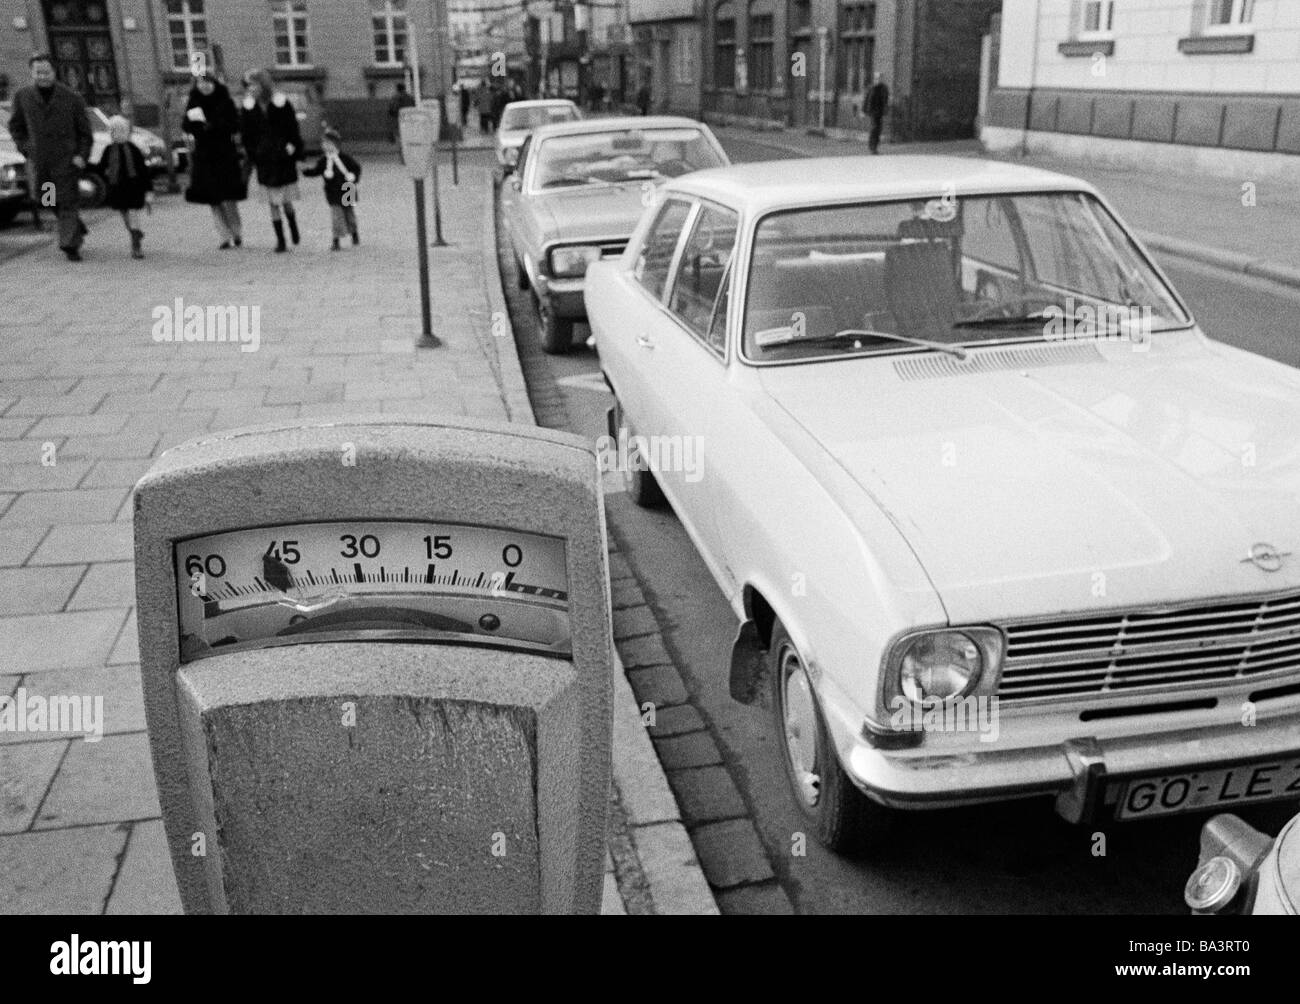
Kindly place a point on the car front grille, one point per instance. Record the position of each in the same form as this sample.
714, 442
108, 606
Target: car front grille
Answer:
1152, 649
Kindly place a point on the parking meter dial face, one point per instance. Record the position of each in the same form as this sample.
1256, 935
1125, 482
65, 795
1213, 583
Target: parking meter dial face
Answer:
400, 581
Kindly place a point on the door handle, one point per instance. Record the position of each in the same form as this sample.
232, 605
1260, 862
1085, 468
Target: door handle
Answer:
644, 342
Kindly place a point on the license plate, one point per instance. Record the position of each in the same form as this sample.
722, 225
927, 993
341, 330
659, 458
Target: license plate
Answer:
1219, 787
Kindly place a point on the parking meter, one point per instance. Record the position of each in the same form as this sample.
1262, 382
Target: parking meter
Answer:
377, 663
417, 129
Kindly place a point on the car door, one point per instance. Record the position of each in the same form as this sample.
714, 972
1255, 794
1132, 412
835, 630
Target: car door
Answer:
628, 355
690, 349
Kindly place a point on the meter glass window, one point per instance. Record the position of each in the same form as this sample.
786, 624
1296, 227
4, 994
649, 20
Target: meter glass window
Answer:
383, 581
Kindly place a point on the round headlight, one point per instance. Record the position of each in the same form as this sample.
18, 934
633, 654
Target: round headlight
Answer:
1213, 885
940, 665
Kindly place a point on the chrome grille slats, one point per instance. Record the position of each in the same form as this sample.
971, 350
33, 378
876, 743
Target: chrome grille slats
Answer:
1151, 650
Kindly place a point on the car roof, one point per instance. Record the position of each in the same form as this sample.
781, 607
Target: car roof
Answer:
542, 103
772, 184
616, 123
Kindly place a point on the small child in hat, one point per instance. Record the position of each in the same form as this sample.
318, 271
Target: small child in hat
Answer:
341, 175
128, 184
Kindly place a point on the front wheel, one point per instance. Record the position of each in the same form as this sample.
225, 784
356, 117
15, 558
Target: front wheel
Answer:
842, 818
557, 332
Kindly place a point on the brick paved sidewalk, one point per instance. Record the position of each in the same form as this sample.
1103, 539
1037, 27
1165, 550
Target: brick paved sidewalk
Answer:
88, 399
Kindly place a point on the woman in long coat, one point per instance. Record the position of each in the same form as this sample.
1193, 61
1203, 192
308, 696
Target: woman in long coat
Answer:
216, 174
274, 142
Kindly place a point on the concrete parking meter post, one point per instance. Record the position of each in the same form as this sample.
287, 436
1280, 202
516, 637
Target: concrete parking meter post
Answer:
418, 131
377, 658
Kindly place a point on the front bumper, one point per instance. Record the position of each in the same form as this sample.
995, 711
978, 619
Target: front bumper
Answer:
563, 297
1081, 773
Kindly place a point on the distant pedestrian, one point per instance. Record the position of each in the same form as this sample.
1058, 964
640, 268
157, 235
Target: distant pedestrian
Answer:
341, 175
877, 104
401, 99
273, 141
597, 97
483, 99
128, 183
643, 99
464, 104
217, 178
49, 124
500, 98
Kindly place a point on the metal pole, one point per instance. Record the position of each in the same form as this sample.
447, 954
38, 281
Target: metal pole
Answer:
438, 242
427, 339
455, 165
414, 46
822, 46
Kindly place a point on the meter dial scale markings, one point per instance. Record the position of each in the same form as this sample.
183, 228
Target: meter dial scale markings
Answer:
380, 580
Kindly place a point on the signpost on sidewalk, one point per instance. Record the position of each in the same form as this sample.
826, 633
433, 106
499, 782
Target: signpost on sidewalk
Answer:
434, 105
418, 129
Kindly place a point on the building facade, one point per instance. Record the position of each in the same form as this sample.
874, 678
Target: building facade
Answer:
137, 55
809, 63
1213, 84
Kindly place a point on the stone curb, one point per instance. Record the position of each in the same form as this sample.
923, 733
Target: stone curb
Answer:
501, 336
1228, 261
663, 847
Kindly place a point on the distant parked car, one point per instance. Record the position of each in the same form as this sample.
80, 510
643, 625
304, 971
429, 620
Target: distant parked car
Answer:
971, 478
521, 117
576, 195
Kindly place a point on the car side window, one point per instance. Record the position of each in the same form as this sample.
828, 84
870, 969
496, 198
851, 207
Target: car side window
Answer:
698, 285
660, 245
522, 160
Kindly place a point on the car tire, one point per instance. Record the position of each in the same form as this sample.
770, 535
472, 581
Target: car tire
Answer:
642, 485
843, 819
557, 332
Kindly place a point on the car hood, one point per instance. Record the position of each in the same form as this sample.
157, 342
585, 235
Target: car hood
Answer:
595, 211
1129, 479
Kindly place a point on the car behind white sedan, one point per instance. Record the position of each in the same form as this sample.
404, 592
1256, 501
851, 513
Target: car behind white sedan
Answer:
997, 519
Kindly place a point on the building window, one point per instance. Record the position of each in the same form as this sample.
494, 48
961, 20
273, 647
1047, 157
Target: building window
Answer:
761, 49
1229, 16
289, 24
1097, 19
188, 28
724, 47
857, 46
388, 22
684, 64
802, 15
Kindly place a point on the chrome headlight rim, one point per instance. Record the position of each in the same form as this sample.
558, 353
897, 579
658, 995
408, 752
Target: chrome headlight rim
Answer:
573, 270
989, 640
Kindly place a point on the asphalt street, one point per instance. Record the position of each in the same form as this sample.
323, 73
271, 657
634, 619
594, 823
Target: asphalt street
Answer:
1012, 858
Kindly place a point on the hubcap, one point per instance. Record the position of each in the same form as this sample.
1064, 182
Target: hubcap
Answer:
800, 728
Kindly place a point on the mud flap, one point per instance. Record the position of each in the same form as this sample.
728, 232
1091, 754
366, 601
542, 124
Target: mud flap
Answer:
748, 665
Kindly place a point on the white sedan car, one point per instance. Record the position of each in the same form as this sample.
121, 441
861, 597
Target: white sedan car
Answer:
998, 520
519, 118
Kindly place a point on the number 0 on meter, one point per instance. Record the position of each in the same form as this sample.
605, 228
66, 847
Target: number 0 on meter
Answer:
399, 581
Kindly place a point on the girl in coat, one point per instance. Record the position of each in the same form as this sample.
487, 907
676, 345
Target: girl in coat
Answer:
216, 170
128, 182
341, 175
274, 143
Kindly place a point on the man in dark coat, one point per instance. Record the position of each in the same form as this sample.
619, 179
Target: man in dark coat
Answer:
400, 99
217, 178
877, 104
50, 127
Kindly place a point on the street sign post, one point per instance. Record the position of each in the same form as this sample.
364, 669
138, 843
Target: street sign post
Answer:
418, 130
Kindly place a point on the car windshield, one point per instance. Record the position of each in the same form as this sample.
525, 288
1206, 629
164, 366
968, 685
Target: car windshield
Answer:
623, 155
537, 115
967, 270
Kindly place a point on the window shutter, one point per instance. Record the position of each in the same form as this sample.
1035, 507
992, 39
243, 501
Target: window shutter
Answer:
1199, 13
1076, 18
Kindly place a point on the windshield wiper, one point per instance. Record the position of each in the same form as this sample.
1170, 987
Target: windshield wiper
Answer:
1001, 321
952, 350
